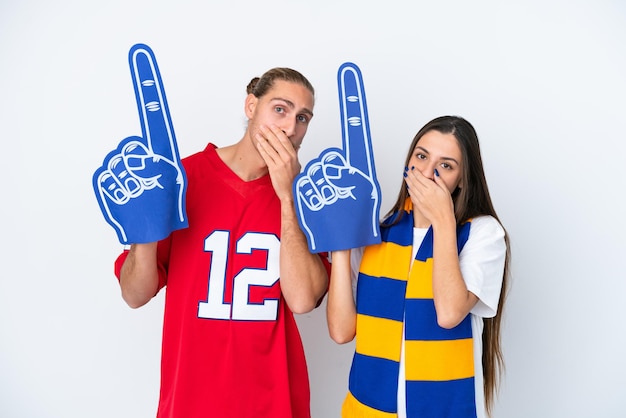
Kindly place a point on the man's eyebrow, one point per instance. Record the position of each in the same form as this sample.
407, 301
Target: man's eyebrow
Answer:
292, 105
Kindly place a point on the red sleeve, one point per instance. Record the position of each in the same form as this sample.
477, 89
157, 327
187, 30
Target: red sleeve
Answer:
119, 262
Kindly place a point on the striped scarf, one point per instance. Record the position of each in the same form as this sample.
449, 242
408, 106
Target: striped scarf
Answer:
439, 363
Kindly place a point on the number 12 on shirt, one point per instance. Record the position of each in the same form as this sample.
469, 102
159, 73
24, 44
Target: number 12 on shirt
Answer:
241, 309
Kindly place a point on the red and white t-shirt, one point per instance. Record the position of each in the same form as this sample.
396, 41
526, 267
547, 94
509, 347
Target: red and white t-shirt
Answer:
231, 347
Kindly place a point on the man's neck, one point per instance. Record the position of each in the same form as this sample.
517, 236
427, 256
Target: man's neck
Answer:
243, 159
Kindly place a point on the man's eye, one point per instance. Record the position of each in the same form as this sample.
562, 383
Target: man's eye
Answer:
279, 109
303, 119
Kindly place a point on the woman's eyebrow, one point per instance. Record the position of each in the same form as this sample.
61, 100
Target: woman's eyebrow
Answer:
443, 158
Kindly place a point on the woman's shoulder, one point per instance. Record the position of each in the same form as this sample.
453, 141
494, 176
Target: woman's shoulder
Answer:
486, 224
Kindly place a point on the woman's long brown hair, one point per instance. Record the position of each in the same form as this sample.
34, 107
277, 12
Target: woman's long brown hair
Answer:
471, 199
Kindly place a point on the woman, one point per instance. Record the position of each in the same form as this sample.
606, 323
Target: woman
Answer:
429, 298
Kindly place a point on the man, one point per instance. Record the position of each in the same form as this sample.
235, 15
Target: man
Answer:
231, 347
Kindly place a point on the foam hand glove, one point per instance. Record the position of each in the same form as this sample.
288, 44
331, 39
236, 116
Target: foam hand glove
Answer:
337, 195
141, 185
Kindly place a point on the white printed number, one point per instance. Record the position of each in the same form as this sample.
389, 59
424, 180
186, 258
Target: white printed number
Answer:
215, 307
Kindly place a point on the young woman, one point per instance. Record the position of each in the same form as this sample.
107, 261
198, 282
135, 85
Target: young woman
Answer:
425, 305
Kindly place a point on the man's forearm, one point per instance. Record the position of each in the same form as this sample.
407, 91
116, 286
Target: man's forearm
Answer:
139, 277
303, 277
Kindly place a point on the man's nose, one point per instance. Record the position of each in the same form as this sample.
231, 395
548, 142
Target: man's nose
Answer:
289, 127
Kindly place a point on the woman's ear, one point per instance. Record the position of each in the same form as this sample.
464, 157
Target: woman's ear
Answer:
250, 105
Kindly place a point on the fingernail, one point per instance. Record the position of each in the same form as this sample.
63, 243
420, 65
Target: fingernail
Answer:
405, 174
436, 172
412, 167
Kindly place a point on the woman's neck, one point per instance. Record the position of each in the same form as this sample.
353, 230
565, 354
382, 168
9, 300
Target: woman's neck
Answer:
419, 220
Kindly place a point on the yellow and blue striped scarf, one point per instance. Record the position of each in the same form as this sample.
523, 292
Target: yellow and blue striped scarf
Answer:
439, 363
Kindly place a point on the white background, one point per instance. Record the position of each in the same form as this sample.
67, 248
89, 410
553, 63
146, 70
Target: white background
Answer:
543, 82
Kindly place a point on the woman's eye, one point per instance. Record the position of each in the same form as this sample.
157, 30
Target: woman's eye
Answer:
420, 156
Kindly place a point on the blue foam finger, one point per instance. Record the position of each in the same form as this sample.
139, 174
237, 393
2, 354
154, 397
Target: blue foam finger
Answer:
349, 219
141, 185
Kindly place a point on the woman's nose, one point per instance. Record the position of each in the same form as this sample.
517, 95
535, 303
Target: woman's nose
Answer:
428, 171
